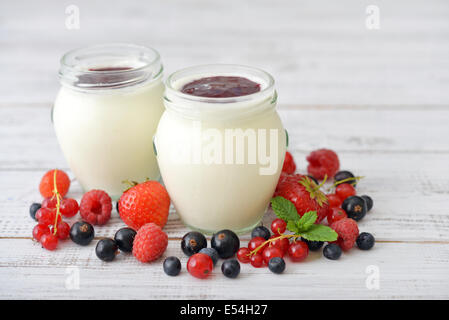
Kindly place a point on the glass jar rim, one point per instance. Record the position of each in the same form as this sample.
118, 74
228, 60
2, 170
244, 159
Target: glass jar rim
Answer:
143, 64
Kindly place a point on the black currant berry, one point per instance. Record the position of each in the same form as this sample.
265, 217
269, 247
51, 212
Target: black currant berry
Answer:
226, 243
82, 233
313, 179
369, 202
355, 207
365, 241
276, 265
313, 245
193, 242
106, 249
230, 268
261, 231
33, 209
342, 175
332, 251
125, 238
172, 266
212, 253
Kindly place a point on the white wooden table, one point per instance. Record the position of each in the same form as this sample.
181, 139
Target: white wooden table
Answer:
379, 99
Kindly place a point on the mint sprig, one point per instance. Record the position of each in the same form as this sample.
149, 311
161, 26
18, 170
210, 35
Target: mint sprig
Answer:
302, 226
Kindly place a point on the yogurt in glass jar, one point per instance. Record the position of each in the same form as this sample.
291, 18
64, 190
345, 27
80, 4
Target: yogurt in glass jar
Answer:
220, 145
106, 113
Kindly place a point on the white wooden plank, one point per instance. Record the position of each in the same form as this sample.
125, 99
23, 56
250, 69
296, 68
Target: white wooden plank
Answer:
405, 271
319, 52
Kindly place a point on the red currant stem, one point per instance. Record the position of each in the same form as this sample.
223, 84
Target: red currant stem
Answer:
282, 236
353, 179
58, 203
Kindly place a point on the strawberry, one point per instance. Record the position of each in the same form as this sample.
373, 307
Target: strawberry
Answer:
305, 194
143, 203
289, 165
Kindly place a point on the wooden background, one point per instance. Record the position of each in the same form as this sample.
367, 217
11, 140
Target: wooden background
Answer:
379, 98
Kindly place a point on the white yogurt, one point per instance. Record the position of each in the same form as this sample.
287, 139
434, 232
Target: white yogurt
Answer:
212, 184
105, 120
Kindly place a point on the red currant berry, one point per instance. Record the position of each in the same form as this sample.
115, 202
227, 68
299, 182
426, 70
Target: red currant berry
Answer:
49, 203
280, 243
333, 200
63, 230
200, 265
298, 251
257, 260
336, 214
47, 216
69, 207
49, 241
278, 226
256, 242
271, 252
39, 230
243, 255
344, 191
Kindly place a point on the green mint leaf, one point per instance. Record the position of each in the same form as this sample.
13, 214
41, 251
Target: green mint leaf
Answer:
284, 209
291, 225
307, 220
318, 232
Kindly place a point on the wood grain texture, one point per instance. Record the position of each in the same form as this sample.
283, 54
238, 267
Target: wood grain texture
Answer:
320, 52
405, 271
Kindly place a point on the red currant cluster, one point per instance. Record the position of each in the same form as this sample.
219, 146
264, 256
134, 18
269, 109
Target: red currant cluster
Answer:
51, 228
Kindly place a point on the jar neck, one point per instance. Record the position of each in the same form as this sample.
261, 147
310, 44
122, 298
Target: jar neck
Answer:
220, 109
111, 66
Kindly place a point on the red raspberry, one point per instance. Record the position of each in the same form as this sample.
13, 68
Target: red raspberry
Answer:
150, 242
298, 251
69, 207
289, 166
305, 195
243, 255
96, 207
348, 231
333, 200
344, 191
200, 265
322, 162
144, 203
62, 183
336, 214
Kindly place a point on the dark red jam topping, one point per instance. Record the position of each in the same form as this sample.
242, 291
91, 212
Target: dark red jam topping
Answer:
221, 87
105, 77
110, 69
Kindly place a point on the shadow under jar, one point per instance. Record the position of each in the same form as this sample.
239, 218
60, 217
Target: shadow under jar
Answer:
220, 146
106, 113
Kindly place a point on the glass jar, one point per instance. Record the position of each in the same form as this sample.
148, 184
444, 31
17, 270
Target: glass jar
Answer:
220, 158
106, 113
